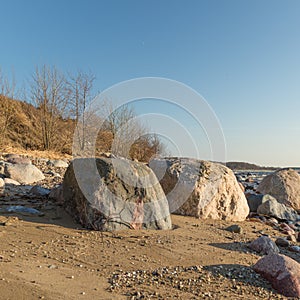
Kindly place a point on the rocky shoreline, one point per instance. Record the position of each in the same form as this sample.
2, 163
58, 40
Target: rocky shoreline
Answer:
32, 202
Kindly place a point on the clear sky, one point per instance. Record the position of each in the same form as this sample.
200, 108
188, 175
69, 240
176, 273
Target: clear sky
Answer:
242, 56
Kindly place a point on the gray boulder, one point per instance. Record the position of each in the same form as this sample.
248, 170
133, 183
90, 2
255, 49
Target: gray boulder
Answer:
113, 194
201, 189
271, 207
263, 245
23, 173
284, 185
1, 182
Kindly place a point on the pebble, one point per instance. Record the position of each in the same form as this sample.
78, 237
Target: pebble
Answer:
235, 228
282, 242
295, 249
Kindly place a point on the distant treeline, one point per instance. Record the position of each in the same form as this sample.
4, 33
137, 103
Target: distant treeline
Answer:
238, 165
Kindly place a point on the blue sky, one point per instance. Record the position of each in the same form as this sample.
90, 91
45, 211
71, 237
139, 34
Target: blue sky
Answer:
242, 56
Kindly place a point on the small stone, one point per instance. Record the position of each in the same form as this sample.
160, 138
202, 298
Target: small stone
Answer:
235, 228
52, 267
292, 238
295, 249
282, 242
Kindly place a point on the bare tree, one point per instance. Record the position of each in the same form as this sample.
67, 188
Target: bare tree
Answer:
7, 93
48, 93
121, 122
79, 89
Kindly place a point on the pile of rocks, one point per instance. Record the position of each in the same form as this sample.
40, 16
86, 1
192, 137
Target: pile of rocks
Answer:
279, 202
130, 191
26, 182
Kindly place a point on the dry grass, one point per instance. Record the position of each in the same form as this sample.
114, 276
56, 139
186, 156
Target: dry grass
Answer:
34, 153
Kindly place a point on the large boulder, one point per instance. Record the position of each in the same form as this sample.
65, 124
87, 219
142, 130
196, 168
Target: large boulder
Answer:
282, 271
113, 194
271, 207
284, 185
23, 173
201, 189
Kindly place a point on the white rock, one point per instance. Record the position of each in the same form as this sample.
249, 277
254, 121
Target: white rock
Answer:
284, 185
200, 188
11, 181
58, 163
25, 174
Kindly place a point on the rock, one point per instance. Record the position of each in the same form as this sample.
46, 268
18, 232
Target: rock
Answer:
271, 207
235, 228
1, 182
282, 272
286, 229
292, 237
295, 249
284, 185
2, 167
201, 189
11, 181
249, 180
282, 242
39, 191
298, 237
57, 194
16, 159
25, 174
254, 201
272, 222
242, 187
22, 210
121, 194
54, 174
58, 163
264, 245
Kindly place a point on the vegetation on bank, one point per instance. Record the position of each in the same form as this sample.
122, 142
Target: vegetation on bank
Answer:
47, 118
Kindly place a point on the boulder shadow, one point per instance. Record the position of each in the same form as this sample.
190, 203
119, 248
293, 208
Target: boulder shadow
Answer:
235, 246
243, 248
